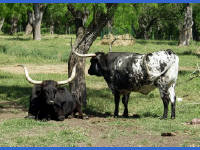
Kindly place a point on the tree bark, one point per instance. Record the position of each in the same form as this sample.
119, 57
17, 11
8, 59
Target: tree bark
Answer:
84, 40
109, 25
185, 34
14, 22
37, 19
29, 27
52, 24
1, 23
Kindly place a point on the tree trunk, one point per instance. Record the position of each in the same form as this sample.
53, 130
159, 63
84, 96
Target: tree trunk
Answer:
52, 24
84, 40
1, 23
29, 27
52, 29
36, 31
66, 28
14, 22
185, 34
37, 19
109, 25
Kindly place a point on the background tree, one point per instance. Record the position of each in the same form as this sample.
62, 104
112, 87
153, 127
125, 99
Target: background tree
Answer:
185, 35
125, 18
89, 20
35, 19
55, 18
14, 16
196, 20
3, 12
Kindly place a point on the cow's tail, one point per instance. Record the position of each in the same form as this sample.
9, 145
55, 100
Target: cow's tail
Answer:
152, 76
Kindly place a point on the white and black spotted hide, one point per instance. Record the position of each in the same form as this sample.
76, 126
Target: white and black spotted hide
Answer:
126, 72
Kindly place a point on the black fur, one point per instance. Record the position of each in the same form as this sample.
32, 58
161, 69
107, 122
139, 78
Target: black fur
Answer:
48, 101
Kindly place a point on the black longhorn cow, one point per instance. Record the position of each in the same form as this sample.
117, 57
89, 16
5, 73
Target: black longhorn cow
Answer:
49, 101
125, 72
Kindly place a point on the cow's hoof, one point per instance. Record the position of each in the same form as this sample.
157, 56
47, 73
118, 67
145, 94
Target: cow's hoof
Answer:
44, 120
172, 117
125, 115
85, 117
70, 117
116, 116
80, 117
163, 118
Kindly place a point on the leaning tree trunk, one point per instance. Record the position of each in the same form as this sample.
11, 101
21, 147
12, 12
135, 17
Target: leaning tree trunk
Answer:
185, 34
37, 19
84, 40
1, 23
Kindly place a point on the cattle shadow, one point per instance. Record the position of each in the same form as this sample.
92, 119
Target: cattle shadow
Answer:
102, 96
184, 72
144, 42
188, 52
19, 39
5, 77
15, 97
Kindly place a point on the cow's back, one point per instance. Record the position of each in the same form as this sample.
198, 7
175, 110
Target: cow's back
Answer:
126, 72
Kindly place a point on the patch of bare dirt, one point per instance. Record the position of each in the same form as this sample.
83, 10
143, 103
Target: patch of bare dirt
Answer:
61, 68
101, 134
121, 40
56, 68
183, 68
9, 110
33, 69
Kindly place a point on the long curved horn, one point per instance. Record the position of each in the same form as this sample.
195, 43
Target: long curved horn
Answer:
84, 55
28, 77
70, 79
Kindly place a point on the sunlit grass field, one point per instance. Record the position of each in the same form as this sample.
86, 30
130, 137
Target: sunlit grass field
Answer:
143, 131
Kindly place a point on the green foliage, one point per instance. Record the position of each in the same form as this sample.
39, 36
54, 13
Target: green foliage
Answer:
142, 20
4, 10
196, 18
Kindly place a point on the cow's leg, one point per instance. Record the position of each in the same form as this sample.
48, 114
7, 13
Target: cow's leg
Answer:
172, 96
117, 98
168, 94
125, 102
34, 108
165, 98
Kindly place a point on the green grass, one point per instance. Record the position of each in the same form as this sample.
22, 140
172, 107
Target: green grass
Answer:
143, 131
25, 132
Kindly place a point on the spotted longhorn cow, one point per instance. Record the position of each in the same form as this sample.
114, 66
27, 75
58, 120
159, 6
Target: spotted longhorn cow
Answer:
125, 72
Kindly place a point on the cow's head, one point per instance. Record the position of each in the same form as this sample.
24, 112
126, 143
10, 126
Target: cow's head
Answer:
48, 87
98, 63
48, 91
